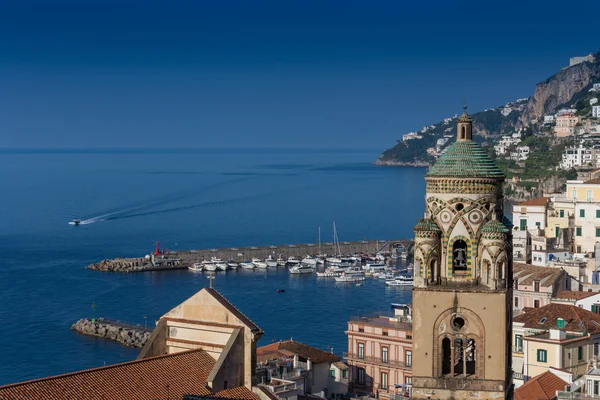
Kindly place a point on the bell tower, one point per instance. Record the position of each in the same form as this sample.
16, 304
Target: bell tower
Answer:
462, 298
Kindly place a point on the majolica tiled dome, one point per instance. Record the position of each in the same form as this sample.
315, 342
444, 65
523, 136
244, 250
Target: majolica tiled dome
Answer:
465, 159
426, 225
494, 226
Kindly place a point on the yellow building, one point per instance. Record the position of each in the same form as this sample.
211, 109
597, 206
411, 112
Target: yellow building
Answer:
559, 336
463, 279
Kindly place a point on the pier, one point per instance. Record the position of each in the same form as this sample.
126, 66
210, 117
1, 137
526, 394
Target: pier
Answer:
127, 335
174, 260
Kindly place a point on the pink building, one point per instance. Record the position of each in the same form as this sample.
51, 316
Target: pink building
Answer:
535, 286
565, 124
380, 356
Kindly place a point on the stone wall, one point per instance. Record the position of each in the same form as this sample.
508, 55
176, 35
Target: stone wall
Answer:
127, 335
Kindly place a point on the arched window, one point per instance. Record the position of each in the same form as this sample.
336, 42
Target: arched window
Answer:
459, 257
432, 275
446, 357
459, 360
463, 133
471, 356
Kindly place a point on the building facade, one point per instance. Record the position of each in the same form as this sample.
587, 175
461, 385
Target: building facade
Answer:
462, 298
565, 124
534, 287
379, 355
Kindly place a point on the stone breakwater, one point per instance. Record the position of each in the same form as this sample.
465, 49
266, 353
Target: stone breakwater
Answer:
127, 335
184, 258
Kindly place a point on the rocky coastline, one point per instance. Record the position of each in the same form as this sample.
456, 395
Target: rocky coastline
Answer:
127, 335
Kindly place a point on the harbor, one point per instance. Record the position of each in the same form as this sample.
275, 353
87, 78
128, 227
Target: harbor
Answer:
164, 259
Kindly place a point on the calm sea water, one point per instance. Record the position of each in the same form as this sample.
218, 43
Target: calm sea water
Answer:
201, 199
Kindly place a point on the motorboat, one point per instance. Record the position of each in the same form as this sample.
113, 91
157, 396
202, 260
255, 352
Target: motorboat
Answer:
301, 269
333, 260
388, 276
401, 281
247, 265
258, 263
341, 264
75, 222
309, 261
375, 266
281, 262
221, 266
320, 260
196, 267
232, 264
209, 266
271, 262
292, 262
351, 275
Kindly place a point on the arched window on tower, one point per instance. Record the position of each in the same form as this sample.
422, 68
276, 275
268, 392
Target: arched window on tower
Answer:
471, 356
432, 271
459, 360
446, 357
459, 257
500, 274
463, 132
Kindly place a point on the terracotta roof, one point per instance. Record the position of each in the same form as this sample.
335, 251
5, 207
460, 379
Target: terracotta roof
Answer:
539, 201
149, 378
576, 319
541, 387
570, 294
340, 365
527, 273
274, 350
247, 321
239, 392
594, 181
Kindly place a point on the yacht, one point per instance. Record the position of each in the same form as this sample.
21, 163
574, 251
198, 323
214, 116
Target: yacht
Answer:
209, 266
301, 269
309, 261
292, 262
401, 281
376, 266
247, 265
232, 264
351, 275
320, 260
196, 267
271, 262
258, 263
333, 260
281, 261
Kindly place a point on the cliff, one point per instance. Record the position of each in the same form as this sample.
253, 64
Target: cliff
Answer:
559, 89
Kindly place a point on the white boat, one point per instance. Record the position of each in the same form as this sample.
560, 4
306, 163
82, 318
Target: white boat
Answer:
247, 265
221, 266
400, 281
258, 263
320, 260
231, 264
375, 266
292, 262
403, 255
388, 276
309, 261
271, 262
76, 221
281, 262
333, 260
301, 269
209, 266
196, 267
351, 275
341, 264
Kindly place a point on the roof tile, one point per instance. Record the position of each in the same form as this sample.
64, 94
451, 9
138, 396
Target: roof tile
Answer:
541, 387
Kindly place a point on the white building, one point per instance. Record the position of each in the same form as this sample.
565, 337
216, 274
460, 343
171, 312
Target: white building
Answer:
596, 111
530, 215
577, 156
521, 153
542, 258
411, 136
505, 143
593, 101
548, 119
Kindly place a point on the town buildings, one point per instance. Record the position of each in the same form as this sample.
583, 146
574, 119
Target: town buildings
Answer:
579, 155
560, 336
463, 278
596, 111
534, 286
565, 124
587, 300
379, 354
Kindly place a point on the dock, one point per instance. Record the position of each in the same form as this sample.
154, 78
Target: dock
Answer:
181, 259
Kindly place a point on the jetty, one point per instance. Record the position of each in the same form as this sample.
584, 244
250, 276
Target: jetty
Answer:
181, 259
127, 335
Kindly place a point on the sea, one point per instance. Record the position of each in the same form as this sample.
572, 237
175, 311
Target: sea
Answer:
185, 199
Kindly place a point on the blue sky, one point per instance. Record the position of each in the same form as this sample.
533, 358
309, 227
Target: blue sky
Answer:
346, 74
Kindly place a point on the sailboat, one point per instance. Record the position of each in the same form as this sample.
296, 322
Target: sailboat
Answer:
336, 245
320, 256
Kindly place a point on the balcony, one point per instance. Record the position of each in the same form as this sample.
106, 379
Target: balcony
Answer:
519, 376
518, 349
377, 360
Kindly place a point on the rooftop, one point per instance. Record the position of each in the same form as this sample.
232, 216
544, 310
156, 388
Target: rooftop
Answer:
570, 294
289, 348
165, 376
527, 274
539, 201
576, 319
541, 387
384, 322
465, 159
594, 181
